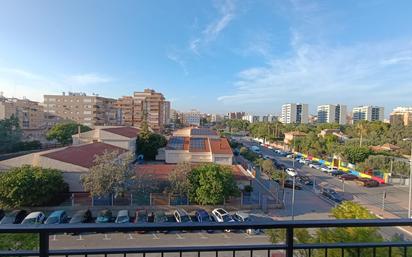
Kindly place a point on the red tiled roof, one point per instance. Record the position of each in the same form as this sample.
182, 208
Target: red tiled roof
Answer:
82, 155
162, 171
220, 146
129, 132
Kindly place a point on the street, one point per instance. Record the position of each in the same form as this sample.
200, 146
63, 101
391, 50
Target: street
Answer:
309, 205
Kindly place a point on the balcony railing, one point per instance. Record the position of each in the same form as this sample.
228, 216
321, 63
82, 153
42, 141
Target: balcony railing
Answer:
289, 247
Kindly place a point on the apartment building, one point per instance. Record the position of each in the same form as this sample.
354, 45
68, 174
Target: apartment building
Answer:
192, 118
89, 110
166, 113
216, 118
148, 105
401, 115
294, 113
329, 113
251, 118
235, 115
30, 114
368, 113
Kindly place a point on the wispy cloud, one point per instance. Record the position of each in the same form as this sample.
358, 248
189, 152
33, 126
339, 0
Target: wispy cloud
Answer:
175, 57
226, 13
320, 73
88, 79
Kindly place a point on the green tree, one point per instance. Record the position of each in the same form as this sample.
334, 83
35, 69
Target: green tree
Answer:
110, 174
63, 132
211, 184
31, 186
354, 154
19, 242
10, 134
148, 143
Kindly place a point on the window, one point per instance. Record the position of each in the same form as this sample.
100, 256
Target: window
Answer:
87, 100
87, 112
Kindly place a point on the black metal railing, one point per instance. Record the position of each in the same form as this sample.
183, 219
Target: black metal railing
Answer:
289, 247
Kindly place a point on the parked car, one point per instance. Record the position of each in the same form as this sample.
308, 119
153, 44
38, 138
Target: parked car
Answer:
332, 195
348, 177
181, 216
314, 165
367, 182
122, 217
34, 218
304, 161
289, 184
305, 180
14, 217
160, 217
57, 217
329, 170
336, 173
104, 216
221, 215
202, 215
82, 216
244, 217
141, 217
290, 155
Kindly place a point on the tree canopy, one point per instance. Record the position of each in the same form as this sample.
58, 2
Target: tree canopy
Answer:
211, 184
148, 143
63, 132
109, 175
31, 186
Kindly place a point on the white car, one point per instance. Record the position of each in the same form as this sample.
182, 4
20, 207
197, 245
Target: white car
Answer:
328, 169
244, 217
291, 172
221, 215
290, 156
314, 166
34, 218
303, 161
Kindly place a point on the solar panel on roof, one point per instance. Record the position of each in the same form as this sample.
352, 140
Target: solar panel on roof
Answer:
197, 144
176, 143
202, 132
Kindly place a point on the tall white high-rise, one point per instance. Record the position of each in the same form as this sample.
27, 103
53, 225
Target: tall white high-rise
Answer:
329, 113
294, 113
368, 112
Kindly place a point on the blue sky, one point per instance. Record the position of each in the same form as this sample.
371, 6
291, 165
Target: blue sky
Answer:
215, 56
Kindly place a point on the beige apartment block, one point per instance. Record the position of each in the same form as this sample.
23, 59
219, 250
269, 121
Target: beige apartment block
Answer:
148, 105
29, 113
89, 110
401, 115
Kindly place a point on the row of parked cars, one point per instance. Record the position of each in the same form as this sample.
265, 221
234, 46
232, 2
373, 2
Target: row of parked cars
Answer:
340, 174
123, 216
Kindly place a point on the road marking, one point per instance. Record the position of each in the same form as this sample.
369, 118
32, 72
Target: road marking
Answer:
155, 236
130, 237
202, 236
106, 237
179, 236
54, 238
80, 238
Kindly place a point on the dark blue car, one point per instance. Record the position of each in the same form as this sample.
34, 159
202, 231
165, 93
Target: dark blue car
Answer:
203, 216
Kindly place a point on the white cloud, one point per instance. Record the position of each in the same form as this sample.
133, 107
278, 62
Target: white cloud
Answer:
88, 79
323, 74
226, 10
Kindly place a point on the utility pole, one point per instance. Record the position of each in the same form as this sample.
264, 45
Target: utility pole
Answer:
293, 198
343, 185
410, 179
383, 200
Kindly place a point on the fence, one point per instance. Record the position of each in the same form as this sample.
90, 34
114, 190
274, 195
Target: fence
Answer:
80, 199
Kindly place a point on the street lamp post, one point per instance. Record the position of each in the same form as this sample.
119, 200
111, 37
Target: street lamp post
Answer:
410, 179
293, 198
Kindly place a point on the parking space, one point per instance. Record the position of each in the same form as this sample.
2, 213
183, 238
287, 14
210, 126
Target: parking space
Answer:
155, 239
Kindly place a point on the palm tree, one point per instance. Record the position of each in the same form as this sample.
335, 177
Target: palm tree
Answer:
361, 129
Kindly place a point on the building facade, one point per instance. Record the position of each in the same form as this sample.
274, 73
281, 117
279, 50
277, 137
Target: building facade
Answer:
251, 118
235, 115
191, 118
368, 113
329, 113
294, 113
148, 105
401, 115
89, 110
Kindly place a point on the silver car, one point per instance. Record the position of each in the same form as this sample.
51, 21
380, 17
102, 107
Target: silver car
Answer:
243, 217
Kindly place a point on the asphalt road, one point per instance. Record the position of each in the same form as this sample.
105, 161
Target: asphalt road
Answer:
308, 205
